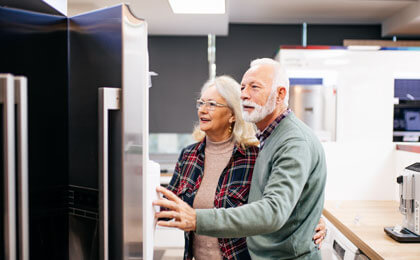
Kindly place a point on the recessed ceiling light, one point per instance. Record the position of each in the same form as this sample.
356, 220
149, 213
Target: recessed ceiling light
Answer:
363, 47
197, 6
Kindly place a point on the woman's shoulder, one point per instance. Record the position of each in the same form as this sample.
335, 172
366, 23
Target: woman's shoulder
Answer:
253, 148
192, 147
249, 150
189, 150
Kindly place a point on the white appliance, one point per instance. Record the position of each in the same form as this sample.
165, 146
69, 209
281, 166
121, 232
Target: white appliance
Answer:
337, 247
315, 105
152, 182
409, 186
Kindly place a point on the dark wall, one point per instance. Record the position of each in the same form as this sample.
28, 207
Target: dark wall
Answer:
247, 42
183, 67
335, 34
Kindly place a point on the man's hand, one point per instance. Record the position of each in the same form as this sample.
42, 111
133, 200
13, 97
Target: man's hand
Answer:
321, 232
183, 215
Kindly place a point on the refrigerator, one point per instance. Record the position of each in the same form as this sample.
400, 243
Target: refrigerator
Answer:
314, 104
87, 129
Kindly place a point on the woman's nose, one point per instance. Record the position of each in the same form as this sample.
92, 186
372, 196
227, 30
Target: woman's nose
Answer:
203, 110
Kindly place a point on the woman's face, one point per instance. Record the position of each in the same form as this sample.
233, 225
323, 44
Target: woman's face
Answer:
215, 123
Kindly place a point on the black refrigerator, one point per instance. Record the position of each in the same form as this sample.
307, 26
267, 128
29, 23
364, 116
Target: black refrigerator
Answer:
87, 131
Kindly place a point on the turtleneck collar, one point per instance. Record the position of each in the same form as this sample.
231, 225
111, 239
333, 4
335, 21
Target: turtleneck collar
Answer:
221, 147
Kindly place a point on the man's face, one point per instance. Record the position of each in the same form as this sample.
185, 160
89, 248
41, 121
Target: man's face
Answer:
258, 98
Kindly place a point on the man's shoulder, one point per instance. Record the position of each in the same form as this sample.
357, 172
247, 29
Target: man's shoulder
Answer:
292, 131
293, 127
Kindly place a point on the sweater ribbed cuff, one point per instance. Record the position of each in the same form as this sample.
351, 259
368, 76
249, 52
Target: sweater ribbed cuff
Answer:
203, 217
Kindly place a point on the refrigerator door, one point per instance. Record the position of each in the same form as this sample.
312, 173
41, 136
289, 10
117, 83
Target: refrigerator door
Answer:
35, 45
108, 49
109, 99
21, 99
95, 61
135, 134
7, 98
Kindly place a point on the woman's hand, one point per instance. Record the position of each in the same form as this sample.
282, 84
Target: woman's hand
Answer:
321, 232
183, 215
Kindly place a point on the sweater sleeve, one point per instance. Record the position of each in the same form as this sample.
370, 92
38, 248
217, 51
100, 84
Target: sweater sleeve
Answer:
289, 173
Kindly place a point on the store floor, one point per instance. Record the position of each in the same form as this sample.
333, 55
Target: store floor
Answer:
168, 254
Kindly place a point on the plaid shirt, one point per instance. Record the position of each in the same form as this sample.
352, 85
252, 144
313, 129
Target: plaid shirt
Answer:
232, 189
262, 136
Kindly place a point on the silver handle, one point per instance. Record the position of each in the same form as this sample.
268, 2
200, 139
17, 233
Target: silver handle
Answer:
21, 98
109, 99
7, 98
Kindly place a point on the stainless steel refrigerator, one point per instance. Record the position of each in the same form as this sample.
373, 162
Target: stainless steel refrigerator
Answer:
87, 132
315, 104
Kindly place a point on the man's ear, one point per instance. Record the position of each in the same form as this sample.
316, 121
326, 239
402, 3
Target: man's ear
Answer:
281, 94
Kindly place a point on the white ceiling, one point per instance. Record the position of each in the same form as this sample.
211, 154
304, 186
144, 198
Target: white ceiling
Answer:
398, 17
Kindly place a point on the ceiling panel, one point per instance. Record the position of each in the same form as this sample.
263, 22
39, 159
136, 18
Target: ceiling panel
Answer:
162, 21
310, 11
160, 18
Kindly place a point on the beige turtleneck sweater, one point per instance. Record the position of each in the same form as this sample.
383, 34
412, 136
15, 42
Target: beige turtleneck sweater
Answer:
217, 156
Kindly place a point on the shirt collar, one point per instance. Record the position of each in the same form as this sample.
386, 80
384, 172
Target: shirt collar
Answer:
263, 135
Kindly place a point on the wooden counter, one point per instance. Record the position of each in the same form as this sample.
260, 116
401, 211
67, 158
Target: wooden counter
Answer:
408, 148
363, 222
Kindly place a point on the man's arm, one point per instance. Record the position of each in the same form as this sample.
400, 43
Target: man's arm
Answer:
290, 171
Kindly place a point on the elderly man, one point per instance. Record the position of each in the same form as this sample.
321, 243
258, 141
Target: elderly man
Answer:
287, 188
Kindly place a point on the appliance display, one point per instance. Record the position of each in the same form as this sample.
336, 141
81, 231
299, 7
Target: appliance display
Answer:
407, 110
14, 167
73, 212
336, 246
409, 194
314, 104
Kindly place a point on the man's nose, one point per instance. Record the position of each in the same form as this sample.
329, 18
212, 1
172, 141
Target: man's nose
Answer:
244, 94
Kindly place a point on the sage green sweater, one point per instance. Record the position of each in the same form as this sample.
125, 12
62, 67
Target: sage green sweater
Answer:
285, 200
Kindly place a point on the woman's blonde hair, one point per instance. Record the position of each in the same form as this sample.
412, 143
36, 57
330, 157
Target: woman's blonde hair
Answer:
243, 132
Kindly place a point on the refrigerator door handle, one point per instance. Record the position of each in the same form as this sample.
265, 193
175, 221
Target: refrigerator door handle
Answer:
7, 99
109, 99
21, 98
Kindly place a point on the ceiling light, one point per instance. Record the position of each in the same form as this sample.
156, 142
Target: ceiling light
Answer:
363, 47
198, 6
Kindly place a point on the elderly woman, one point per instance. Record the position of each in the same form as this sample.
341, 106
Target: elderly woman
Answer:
217, 170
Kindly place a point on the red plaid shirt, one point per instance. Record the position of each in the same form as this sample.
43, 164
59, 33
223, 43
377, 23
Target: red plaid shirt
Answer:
232, 189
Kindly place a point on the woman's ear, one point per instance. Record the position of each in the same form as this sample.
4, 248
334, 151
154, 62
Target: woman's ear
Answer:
232, 119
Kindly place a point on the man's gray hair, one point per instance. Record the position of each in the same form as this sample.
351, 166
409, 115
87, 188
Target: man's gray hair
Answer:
280, 78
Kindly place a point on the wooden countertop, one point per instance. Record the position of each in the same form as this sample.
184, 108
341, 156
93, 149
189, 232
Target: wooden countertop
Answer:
363, 222
409, 148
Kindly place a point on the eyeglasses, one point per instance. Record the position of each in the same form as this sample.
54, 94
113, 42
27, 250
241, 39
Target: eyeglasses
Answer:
210, 105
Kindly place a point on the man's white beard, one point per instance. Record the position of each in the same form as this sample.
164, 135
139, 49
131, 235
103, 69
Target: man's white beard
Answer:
259, 112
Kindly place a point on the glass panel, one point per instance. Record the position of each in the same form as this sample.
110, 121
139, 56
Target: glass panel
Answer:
164, 143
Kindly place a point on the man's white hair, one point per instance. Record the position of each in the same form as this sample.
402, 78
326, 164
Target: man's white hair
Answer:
280, 78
